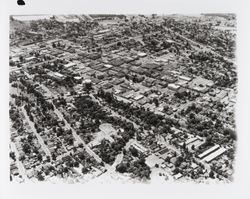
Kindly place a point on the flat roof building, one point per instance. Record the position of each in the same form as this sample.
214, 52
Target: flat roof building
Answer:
209, 151
214, 155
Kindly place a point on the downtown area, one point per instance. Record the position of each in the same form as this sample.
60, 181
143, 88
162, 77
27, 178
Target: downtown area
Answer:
124, 98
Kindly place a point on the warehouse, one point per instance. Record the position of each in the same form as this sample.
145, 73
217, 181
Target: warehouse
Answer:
209, 151
214, 155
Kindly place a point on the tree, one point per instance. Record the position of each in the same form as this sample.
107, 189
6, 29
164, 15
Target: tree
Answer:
48, 158
121, 168
231, 133
21, 158
134, 151
54, 156
211, 174
39, 157
156, 102
40, 177
53, 45
26, 148
209, 140
34, 26
184, 145
119, 43
21, 58
13, 156
85, 170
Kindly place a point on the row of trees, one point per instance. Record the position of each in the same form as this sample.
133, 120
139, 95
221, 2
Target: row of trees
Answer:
147, 117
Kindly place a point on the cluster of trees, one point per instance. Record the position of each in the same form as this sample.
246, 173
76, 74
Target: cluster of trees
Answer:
41, 101
13, 156
183, 95
78, 29
135, 78
230, 133
226, 81
86, 107
108, 151
211, 128
19, 99
138, 168
30, 148
94, 114
16, 118
70, 161
213, 67
60, 101
221, 41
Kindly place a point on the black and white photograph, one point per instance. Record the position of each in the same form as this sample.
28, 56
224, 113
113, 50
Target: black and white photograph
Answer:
132, 100
122, 97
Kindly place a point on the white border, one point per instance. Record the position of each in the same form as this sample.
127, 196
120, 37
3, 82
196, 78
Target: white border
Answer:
237, 189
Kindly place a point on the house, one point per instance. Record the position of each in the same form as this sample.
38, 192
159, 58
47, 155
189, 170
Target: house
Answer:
185, 78
173, 87
70, 65
168, 78
108, 65
142, 102
138, 97
117, 81
177, 176
149, 82
141, 54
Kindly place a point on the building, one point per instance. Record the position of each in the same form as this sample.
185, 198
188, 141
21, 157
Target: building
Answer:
87, 83
70, 65
201, 84
173, 87
56, 75
214, 154
208, 151
141, 54
138, 97
185, 78
28, 59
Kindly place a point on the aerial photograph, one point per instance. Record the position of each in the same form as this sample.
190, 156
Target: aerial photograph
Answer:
122, 98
